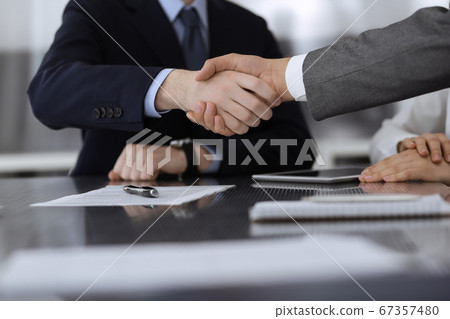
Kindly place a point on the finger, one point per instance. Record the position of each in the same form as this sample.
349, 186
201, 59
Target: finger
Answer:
366, 172
376, 177
113, 176
194, 116
376, 172
199, 113
190, 116
371, 177
135, 174
260, 88
212, 66
378, 167
220, 128
210, 113
401, 176
407, 143
145, 176
255, 106
233, 123
153, 173
125, 173
421, 146
142, 171
239, 112
446, 149
243, 114
408, 161
434, 146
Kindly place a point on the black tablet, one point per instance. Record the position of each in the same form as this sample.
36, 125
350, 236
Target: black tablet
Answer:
335, 175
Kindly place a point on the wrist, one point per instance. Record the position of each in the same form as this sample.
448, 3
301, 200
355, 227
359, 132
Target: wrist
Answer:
279, 67
174, 92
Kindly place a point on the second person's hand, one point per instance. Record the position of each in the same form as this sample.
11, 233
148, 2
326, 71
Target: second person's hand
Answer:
207, 117
405, 166
242, 100
271, 71
436, 145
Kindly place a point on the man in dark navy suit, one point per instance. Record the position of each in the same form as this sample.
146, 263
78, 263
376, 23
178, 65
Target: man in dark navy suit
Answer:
118, 66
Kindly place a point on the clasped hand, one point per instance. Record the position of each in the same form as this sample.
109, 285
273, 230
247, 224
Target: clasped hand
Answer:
242, 97
139, 162
236, 91
419, 158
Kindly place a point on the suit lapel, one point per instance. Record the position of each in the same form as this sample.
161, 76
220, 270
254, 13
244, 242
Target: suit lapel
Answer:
152, 23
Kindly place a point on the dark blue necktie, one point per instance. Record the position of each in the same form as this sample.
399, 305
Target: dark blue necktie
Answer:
194, 48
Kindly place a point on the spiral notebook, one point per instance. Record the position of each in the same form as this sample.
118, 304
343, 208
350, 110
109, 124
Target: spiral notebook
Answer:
351, 207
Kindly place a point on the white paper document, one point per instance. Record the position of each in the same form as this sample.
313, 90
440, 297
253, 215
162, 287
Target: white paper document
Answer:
116, 196
158, 268
431, 205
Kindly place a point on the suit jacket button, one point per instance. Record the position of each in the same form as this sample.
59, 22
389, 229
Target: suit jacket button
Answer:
109, 113
117, 112
96, 113
102, 112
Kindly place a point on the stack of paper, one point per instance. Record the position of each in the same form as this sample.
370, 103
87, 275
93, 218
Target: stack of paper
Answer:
373, 206
115, 196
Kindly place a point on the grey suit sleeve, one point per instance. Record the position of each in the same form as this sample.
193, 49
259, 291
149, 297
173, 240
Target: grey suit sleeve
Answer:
406, 59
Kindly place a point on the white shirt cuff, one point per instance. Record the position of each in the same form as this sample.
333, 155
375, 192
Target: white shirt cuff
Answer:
294, 77
149, 102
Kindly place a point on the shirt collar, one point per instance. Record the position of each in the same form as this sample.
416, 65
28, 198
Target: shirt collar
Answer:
173, 7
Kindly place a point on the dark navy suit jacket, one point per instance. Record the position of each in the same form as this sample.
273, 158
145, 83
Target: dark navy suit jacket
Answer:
86, 81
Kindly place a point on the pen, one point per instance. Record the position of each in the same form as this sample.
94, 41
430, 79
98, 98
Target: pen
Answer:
145, 191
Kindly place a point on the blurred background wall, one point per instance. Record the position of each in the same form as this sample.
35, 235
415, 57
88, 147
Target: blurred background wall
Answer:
27, 28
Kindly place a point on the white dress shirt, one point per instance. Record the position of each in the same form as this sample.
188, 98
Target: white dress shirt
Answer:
424, 114
172, 8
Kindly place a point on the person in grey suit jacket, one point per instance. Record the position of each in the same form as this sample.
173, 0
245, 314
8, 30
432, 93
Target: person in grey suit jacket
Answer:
403, 60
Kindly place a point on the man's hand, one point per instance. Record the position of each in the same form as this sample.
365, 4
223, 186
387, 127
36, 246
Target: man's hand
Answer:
208, 118
143, 165
241, 99
271, 71
407, 165
438, 145
136, 163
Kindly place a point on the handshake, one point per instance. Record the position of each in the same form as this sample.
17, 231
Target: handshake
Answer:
229, 94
